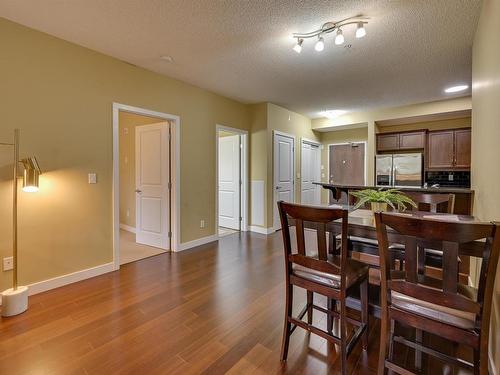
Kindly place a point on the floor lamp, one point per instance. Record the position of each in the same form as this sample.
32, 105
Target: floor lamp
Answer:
15, 299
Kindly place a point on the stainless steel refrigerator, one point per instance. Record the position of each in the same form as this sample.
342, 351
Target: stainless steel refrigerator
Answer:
399, 169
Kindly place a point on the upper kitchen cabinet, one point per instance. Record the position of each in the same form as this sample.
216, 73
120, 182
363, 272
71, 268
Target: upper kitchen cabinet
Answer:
401, 141
449, 150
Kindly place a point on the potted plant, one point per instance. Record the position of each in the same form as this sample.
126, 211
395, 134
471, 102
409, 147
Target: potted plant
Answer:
380, 199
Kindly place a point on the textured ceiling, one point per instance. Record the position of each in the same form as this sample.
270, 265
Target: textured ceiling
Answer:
243, 48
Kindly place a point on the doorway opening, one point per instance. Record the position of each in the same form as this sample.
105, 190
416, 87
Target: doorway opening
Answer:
232, 180
347, 165
145, 183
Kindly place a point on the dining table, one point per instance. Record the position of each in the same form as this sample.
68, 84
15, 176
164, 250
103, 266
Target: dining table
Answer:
361, 227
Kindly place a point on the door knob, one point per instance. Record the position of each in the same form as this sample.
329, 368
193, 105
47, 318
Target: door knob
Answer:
138, 191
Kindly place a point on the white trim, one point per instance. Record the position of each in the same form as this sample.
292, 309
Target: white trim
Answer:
176, 137
244, 175
70, 278
346, 143
275, 133
491, 363
128, 228
261, 230
310, 141
198, 242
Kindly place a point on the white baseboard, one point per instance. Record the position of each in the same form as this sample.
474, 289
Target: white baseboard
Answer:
56, 282
128, 228
197, 242
261, 230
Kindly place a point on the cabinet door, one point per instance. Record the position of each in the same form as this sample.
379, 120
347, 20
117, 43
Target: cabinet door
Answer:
440, 153
462, 148
411, 140
387, 142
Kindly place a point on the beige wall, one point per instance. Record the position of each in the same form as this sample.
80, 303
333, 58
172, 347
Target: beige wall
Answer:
430, 125
127, 125
486, 136
340, 136
60, 95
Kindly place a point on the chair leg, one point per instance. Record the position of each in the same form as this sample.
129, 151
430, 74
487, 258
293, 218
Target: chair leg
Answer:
309, 307
343, 338
384, 338
287, 325
418, 353
391, 342
331, 306
364, 312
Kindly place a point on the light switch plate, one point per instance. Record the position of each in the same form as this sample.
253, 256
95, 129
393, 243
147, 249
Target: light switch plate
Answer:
8, 263
92, 178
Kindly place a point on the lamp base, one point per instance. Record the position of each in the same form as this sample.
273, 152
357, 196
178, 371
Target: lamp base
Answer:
14, 302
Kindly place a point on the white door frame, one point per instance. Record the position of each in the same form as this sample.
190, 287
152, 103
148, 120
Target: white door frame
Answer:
244, 176
275, 180
175, 175
315, 143
346, 143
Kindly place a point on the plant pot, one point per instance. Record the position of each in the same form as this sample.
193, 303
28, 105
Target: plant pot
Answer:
379, 206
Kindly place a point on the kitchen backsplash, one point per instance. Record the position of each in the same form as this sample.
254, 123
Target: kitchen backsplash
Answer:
455, 179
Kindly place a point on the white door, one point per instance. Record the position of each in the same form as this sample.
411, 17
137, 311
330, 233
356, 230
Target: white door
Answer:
283, 173
152, 178
229, 182
310, 172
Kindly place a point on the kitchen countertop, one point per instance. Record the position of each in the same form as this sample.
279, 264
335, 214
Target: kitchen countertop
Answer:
402, 188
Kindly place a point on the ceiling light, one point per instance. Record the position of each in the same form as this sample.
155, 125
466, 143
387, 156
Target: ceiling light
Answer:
320, 44
330, 27
333, 113
456, 88
167, 58
360, 31
339, 39
298, 47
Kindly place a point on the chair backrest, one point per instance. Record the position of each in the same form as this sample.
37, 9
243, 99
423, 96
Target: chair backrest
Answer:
434, 202
316, 217
454, 238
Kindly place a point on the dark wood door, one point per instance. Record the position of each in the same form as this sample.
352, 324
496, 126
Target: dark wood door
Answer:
387, 142
440, 153
347, 164
462, 148
413, 140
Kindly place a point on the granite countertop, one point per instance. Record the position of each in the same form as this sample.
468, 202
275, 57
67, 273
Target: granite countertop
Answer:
443, 189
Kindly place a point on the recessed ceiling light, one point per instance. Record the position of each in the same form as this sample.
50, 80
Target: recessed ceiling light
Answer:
456, 88
167, 58
333, 113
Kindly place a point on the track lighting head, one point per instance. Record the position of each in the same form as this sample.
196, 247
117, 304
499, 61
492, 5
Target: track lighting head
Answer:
339, 38
320, 44
360, 31
298, 47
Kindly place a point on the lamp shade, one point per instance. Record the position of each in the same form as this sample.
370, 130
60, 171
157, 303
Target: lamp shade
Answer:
31, 175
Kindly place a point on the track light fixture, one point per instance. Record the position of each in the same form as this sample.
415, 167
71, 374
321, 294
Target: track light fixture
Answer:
330, 27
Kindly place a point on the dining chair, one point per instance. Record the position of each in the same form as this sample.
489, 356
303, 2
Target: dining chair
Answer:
316, 271
445, 308
443, 203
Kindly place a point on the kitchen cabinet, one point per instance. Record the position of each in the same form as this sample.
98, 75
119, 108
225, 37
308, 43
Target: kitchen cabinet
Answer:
449, 150
401, 141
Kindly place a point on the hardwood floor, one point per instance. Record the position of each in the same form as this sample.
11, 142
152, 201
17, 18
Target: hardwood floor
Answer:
215, 309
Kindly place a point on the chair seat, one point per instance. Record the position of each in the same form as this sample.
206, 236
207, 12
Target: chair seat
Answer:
401, 247
369, 241
354, 272
454, 317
